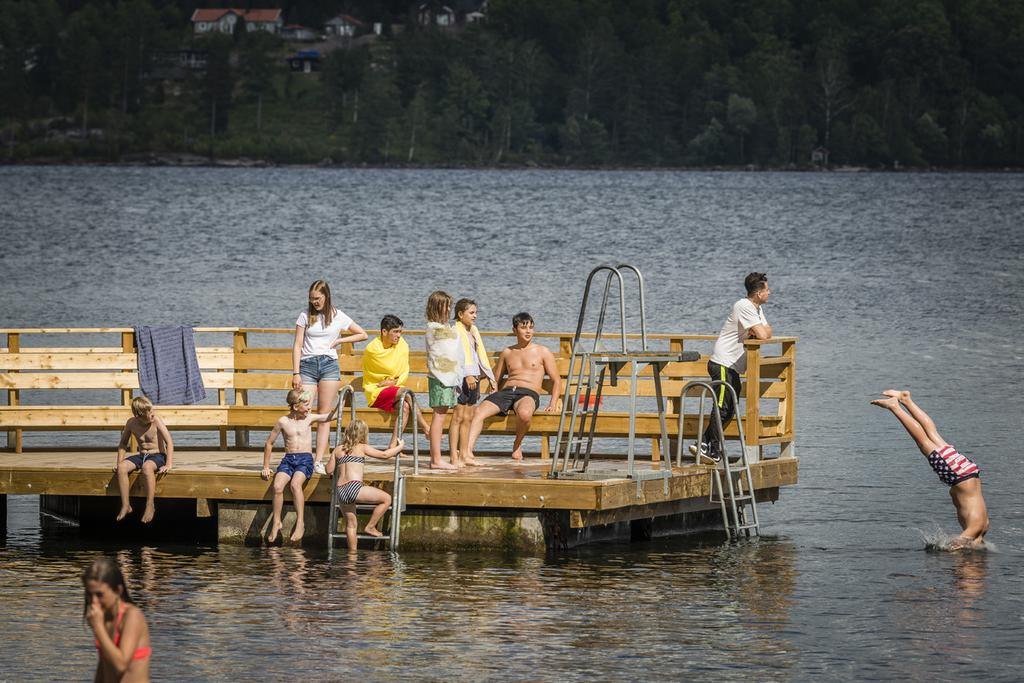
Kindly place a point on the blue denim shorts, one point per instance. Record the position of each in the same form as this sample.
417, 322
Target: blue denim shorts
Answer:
296, 462
316, 368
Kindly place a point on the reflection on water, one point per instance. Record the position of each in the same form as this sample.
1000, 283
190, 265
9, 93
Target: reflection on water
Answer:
249, 612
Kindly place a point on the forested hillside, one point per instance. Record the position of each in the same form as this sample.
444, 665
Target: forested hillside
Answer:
555, 82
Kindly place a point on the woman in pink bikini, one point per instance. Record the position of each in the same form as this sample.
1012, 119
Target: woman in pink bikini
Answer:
122, 636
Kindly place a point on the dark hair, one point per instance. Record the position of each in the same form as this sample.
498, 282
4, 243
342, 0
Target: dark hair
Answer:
755, 282
390, 322
463, 304
520, 319
104, 570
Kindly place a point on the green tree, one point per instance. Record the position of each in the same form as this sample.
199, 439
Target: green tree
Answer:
219, 84
741, 115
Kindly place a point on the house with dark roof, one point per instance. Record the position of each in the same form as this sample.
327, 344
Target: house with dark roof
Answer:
226, 20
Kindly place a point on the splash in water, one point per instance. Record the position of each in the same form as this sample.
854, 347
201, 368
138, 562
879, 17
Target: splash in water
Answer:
939, 541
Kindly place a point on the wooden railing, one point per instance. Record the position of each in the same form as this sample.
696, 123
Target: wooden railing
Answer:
242, 367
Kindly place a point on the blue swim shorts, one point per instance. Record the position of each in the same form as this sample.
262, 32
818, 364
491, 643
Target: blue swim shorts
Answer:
139, 458
296, 462
316, 368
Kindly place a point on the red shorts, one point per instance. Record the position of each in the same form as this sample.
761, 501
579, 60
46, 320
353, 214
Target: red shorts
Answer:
386, 399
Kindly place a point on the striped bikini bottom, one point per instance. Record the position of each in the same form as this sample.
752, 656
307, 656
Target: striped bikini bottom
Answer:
348, 491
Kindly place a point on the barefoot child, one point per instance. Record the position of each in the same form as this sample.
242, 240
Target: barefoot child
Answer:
350, 456
957, 471
297, 464
526, 364
476, 366
445, 365
155, 456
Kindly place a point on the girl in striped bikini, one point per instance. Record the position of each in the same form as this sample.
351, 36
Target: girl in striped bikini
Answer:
121, 633
350, 457
955, 470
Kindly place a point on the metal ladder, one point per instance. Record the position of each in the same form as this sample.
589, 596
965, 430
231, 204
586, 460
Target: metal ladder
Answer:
394, 514
586, 376
736, 494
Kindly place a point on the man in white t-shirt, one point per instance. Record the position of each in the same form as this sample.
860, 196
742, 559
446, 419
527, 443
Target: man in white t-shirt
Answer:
746, 321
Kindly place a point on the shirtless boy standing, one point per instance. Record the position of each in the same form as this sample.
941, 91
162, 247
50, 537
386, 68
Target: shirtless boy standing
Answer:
155, 456
526, 364
297, 464
955, 470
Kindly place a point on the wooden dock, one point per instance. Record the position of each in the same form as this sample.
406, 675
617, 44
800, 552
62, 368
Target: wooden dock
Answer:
506, 504
516, 496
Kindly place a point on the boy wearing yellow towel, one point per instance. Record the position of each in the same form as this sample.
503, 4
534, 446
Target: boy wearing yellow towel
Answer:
386, 369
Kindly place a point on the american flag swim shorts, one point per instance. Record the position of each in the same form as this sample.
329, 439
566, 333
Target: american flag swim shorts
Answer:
952, 467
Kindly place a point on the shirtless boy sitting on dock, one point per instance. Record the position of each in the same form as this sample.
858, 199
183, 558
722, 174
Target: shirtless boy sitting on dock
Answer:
526, 364
155, 456
955, 470
297, 464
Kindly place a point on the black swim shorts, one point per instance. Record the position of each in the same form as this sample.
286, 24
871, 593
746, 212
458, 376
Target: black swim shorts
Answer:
509, 396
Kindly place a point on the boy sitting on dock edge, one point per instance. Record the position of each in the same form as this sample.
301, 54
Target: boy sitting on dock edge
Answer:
155, 456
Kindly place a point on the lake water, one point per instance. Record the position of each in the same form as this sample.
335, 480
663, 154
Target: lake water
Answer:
889, 280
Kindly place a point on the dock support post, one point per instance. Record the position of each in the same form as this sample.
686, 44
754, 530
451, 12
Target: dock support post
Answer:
14, 436
3, 515
752, 431
241, 344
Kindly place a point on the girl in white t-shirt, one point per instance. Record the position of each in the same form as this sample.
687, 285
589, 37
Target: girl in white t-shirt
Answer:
318, 331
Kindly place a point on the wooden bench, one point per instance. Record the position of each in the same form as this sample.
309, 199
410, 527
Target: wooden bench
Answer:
232, 370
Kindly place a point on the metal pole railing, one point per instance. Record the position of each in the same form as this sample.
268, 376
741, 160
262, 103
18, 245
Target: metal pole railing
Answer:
406, 395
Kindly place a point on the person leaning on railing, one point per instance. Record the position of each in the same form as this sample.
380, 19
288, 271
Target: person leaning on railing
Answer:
729, 359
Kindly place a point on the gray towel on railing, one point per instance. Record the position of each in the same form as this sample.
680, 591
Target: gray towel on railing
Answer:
168, 367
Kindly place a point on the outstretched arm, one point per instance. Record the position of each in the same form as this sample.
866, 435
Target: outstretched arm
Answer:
385, 454
326, 417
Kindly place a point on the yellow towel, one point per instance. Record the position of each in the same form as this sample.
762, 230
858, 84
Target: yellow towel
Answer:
480, 350
380, 364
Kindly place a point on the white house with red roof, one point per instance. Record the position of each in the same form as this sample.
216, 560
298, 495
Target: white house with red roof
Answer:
226, 20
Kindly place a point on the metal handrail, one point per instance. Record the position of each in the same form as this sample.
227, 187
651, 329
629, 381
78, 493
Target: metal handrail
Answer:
347, 391
706, 387
407, 395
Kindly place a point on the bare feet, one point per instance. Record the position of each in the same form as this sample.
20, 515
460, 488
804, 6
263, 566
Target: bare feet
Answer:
372, 531
891, 403
901, 396
275, 529
147, 514
297, 534
125, 511
470, 462
517, 454
442, 466
468, 458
